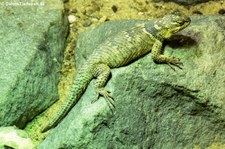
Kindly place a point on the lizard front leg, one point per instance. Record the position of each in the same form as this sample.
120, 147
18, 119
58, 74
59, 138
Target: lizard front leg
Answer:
158, 57
102, 72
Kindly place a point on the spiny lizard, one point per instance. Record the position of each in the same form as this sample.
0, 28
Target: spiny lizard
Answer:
120, 50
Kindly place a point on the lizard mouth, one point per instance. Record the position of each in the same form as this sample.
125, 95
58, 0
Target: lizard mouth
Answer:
187, 22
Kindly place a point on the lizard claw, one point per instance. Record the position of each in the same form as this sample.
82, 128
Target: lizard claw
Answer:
175, 62
108, 98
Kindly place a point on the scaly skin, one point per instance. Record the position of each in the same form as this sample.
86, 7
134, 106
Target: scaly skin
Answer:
118, 51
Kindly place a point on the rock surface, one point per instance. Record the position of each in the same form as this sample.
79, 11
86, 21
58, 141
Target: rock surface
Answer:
32, 41
185, 2
14, 138
156, 107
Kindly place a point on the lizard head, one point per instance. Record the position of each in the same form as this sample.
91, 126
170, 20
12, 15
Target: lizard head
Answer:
171, 24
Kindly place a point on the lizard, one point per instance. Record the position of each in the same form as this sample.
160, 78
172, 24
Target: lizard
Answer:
120, 50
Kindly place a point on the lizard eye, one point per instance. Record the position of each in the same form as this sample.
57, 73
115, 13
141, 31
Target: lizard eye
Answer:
180, 22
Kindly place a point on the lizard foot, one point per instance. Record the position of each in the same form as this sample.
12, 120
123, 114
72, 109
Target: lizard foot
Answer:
108, 98
166, 59
172, 61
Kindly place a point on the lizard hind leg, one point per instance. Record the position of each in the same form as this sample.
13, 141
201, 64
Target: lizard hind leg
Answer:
102, 73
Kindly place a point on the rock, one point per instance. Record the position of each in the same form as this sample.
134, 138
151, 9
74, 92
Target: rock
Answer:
72, 18
156, 107
15, 138
185, 2
32, 42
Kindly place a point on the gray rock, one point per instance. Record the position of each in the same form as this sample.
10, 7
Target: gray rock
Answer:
15, 138
32, 42
156, 107
185, 2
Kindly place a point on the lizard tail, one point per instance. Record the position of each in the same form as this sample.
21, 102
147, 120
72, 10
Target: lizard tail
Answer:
81, 81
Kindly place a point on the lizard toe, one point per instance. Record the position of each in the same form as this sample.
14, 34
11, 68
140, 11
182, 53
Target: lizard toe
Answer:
108, 98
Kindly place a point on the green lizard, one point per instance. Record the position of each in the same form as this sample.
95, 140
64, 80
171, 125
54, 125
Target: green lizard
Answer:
120, 50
